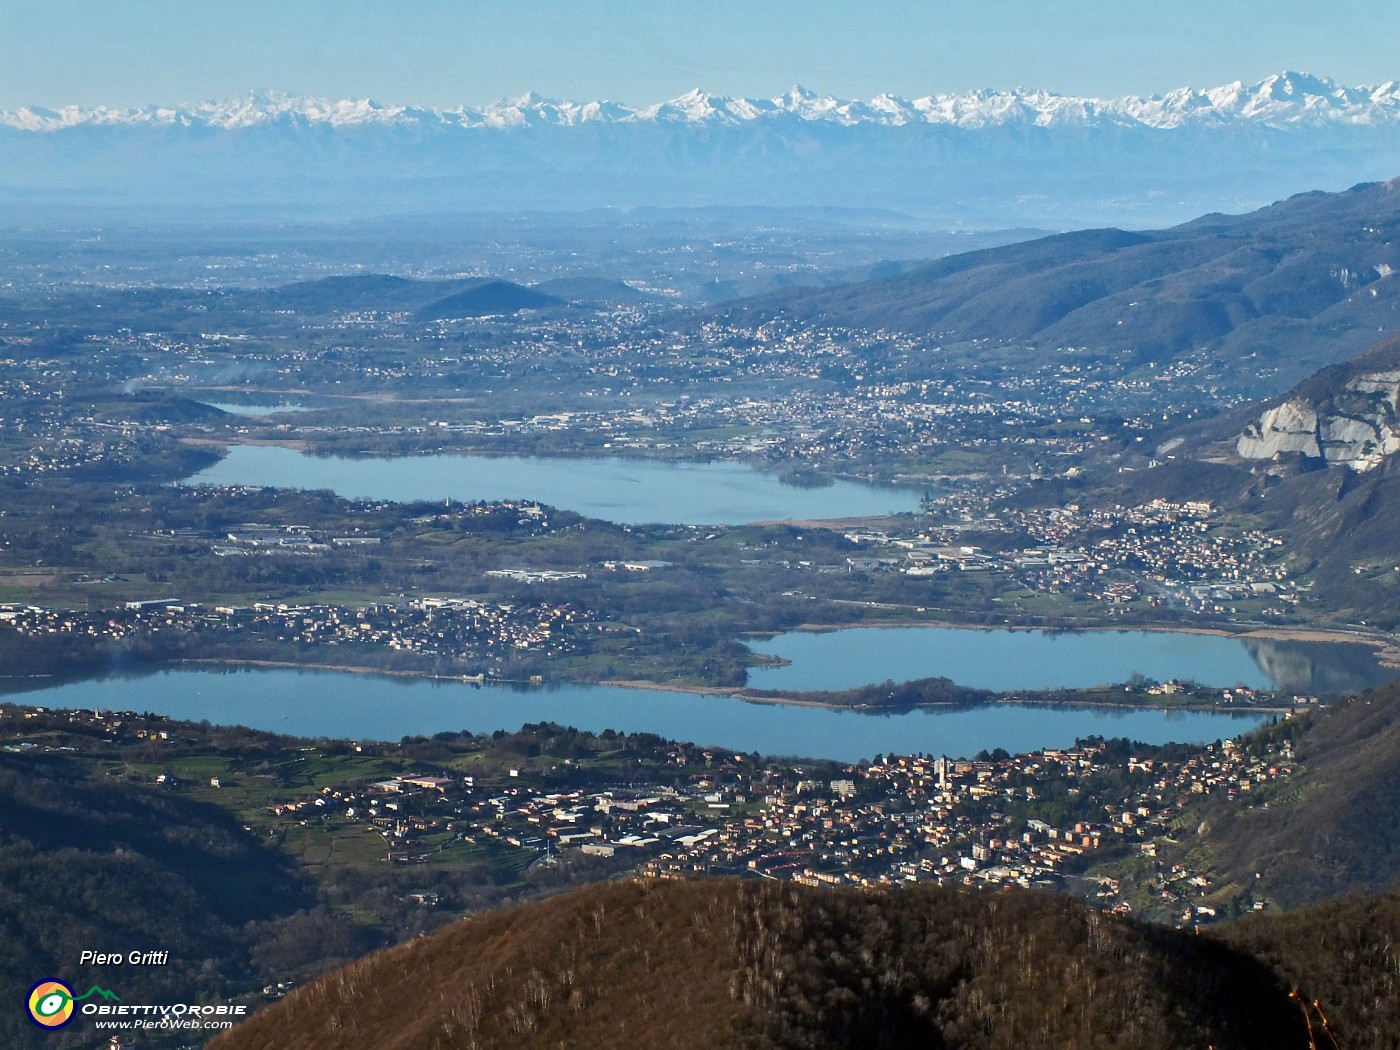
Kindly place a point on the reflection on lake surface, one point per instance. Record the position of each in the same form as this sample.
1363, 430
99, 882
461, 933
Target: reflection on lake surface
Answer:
1324, 668
366, 707
1020, 660
630, 491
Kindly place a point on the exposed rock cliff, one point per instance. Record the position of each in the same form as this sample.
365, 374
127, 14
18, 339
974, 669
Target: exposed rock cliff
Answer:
1348, 415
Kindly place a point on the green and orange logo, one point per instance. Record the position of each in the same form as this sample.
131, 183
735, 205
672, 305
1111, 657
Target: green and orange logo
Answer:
51, 1002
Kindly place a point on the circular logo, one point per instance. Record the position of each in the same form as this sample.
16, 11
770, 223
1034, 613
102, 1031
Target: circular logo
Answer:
51, 1004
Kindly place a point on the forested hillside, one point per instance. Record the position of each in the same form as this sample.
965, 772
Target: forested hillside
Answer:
1272, 296
724, 964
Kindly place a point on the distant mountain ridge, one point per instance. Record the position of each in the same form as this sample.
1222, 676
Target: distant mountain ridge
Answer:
1273, 295
1281, 100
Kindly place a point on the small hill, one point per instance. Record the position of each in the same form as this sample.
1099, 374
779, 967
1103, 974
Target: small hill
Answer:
326, 297
724, 964
426, 300
491, 297
369, 291
151, 407
599, 291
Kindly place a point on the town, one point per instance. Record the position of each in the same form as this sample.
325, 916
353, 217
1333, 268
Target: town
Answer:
1100, 820
628, 379
465, 632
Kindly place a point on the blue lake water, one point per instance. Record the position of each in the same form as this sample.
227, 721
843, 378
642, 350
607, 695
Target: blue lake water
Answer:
368, 707
636, 491
1019, 660
630, 491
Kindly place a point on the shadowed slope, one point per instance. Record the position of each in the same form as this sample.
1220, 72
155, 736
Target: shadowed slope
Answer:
723, 964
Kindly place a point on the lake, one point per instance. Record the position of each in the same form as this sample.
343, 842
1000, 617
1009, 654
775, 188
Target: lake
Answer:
628, 491
369, 707
1018, 660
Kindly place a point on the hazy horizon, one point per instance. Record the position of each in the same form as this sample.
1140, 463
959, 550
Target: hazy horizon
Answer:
438, 54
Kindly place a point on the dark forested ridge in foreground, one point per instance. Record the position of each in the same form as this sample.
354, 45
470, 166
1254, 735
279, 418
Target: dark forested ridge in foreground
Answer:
724, 964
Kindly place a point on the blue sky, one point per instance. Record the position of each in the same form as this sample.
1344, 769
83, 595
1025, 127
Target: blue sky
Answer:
450, 52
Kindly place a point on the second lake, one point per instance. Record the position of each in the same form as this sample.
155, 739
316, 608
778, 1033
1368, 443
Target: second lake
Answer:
356, 706
1023, 660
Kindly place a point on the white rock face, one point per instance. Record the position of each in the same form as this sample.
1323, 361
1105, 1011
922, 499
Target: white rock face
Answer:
1289, 427
1354, 442
1357, 429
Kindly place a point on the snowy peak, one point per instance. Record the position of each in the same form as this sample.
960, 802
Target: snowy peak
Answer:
694, 107
262, 107
1287, 99
257, 107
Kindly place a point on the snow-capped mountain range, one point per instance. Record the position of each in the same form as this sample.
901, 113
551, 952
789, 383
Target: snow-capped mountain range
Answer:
1284, 100
991, 158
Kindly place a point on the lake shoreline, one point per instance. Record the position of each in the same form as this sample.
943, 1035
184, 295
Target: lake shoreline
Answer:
799, 701
1281, 634
726, 692
367, 706
1387, 656
733, 693
723, 692
1010, 701
796, 697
